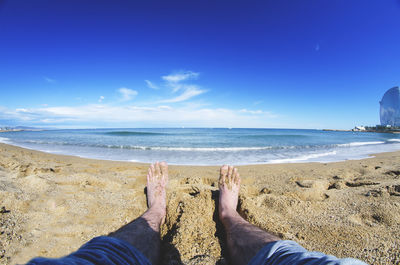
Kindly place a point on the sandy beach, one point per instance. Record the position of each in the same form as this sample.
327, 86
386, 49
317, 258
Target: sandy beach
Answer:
52, 204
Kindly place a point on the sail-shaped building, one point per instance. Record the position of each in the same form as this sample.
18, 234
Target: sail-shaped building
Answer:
390, 107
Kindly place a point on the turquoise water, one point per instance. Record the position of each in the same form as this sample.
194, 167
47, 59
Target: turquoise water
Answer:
207, 146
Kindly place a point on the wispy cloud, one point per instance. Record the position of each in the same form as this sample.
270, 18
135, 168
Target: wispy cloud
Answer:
317, 47
127, 94
115, 115
259, 112
101, 98
179, 77
49, 80
150, 84
180, 82
189, 92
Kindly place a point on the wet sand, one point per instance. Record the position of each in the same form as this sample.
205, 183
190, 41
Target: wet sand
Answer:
51, 204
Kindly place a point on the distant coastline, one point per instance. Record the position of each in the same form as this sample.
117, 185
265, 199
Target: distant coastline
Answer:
336, 130
20, 130
11, 130
368, 129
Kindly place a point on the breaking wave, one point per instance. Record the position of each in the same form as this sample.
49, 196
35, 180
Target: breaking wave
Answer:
4, 140
129, 133
361, 143
302, 158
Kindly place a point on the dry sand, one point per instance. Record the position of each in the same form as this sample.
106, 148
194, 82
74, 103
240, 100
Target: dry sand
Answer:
51, 204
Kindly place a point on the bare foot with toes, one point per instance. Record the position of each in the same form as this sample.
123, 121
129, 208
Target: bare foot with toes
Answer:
157, 179
229, 185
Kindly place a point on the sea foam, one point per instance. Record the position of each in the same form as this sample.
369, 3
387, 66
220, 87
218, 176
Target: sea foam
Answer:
4, 140
301, 158
361, 143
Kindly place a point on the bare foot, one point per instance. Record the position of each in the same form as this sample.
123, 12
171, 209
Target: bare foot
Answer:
157, 179
229, 185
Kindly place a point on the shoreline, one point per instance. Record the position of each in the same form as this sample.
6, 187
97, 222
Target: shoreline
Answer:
347, 209
365, 156
299, 146
76, 157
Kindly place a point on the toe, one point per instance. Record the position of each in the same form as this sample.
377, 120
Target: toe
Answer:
230, 171
164, 168
151, 171
149, 175
223, 174
236, 176
157, 170
164, 171
224, 170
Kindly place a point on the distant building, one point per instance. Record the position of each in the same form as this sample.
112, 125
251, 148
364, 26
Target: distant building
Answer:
390, 107
358, 129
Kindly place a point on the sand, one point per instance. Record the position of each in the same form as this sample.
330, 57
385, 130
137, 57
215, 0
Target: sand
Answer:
51, 204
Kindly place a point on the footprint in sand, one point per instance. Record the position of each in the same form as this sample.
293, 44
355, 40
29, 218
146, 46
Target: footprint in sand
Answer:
312, 190
394, 173
359, 183
394, 190
391, 190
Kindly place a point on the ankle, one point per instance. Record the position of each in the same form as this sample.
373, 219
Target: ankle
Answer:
158, 210
155, 217
225, 214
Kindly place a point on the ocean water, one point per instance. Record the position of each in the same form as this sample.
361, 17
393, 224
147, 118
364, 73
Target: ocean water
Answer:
207, 146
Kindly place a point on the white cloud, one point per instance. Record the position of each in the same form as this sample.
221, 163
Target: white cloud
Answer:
127, 94
49, 80
317, 47
178, 82
165, 107
176, 87
104, 115
251, 111
150, 84
179, 77
259, 112
101, 98
190, 91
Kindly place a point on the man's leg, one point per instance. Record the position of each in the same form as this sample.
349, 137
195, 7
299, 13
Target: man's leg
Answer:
144, 232
244, 240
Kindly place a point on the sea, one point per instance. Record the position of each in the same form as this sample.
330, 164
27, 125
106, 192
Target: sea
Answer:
207, 146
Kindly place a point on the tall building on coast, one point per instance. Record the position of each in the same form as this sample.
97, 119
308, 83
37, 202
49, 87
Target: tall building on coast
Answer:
390, 107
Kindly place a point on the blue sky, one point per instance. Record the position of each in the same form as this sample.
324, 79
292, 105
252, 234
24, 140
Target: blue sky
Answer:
272, 64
